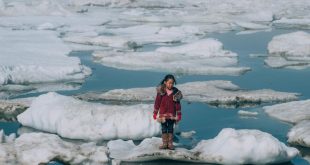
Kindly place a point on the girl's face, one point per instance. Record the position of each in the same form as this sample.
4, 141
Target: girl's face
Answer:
169, 83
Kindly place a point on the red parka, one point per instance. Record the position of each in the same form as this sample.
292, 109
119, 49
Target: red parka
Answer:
168, 106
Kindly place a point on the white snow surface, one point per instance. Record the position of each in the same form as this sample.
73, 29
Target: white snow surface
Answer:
253, 146
76, 119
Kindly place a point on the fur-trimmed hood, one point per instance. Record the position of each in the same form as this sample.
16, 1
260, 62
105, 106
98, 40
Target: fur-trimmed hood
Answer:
177, 94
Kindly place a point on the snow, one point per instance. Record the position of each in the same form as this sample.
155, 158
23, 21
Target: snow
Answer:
253, 146
60, 114
33, 61
289, 50
212, 92
43, 7
211, 60
300, 134
39, 148
292, 112
157, 34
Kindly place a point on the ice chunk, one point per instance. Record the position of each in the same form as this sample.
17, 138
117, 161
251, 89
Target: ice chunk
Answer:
253, 146
60, 114
247, 113
12, 90
188, 134
157, 34
213, 92
39, 148
292, 112
300, 134
102, 40
296, 23
9, 109
41, 57
209, 59
290, 50
252, 26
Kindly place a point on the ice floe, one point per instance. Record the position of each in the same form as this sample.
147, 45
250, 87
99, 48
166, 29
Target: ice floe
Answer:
209, 59
292, 112
253, 146
41, 57
247, 113
60, 114
300, 134
214, 92
290, 50
39, 148
9, 109
299, 23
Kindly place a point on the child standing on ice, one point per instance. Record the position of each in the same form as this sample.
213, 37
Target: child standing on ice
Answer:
167, 109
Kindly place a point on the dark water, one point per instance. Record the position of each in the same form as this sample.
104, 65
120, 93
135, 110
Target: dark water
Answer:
207, 121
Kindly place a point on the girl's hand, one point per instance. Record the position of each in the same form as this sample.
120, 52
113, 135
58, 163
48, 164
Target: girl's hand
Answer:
154, 116
179, 118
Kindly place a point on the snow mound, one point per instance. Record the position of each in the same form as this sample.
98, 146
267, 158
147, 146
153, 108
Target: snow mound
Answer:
290, 50
75, 119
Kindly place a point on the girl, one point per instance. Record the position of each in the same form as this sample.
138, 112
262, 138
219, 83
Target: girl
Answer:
167, 109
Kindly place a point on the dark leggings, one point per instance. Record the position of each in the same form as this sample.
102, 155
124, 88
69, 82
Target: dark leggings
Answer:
167, 127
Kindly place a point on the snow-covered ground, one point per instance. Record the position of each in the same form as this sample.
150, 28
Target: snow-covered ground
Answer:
212, 92
290, 50
253, 146
60, 114
39, 148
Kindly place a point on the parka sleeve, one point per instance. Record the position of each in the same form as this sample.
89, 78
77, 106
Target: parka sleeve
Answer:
157, 103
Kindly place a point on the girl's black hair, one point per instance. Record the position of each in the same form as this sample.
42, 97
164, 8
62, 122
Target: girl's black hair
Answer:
167, 77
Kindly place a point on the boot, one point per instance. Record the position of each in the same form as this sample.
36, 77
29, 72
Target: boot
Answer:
170, 141
164, 138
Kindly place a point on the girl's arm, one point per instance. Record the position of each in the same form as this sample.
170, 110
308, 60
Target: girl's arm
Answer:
157, 103
178, 110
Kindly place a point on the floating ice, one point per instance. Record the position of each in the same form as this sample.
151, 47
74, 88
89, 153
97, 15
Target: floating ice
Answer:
59, 114
213, 92
300, 134
9, 109
209, 59
39, 148
41, 57
95, 39
253, 146
299, 23
292, 112
290, 50
11, 90
188, 134
247, 113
